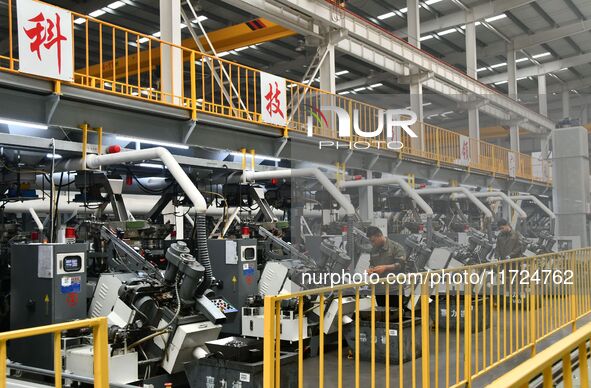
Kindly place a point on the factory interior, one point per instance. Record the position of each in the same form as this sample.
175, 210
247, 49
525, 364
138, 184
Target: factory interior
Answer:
295, 193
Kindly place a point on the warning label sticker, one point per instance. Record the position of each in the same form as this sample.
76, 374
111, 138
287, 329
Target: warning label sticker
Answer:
70, 284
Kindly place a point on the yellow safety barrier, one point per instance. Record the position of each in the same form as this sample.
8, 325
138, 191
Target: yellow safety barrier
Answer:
100, 346
197, 90
457, 324
557, 355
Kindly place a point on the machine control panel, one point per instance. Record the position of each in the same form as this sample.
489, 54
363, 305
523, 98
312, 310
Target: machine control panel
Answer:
68, 263
224, 306
248, 253
72, 263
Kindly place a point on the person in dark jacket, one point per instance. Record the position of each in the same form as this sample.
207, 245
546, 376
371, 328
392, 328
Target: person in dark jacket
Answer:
386, 255
509, 244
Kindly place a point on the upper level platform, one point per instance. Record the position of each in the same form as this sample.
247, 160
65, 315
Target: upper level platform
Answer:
219, 103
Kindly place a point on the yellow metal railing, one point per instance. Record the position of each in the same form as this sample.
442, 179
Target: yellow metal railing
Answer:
100, 346
557, 355
457, 325
134, 64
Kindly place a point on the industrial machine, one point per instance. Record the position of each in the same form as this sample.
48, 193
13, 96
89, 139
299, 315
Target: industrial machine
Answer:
165, 318
236, 276
185, 272
55, 291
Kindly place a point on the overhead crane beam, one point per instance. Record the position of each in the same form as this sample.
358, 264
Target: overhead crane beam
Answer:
229, 38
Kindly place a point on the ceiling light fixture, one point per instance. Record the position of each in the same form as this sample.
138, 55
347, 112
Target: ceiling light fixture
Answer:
23, 124
97, 13
446, 32
495, 18
116, 4
386, 15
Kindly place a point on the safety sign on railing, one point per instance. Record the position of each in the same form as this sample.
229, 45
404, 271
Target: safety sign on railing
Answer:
45, 44
464, 150
273, 100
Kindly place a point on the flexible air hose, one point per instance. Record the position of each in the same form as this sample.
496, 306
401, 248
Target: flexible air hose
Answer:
203, 253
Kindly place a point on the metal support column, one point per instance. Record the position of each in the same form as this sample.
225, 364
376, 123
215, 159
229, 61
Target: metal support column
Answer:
366, 201
415, 86
512, 84
565, 104
471, 66
327, 77
327, 71
542, 95
544, 146
172, 62
570, 186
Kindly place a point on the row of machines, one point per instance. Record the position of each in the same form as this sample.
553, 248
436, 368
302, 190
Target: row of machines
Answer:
168, 300
166, 304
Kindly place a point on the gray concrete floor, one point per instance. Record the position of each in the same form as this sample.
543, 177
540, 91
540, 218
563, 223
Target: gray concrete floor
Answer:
438, 375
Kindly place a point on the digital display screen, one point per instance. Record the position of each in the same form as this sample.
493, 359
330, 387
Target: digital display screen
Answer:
72, 263
249, 253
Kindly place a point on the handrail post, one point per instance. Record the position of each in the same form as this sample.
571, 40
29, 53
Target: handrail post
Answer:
493, 161
437, 147
468, 332
2, 362
572, 290
533, 308
84, 128
193, 88
425, 353
269, 342
57, 359
101, 354
10, 35
99, 131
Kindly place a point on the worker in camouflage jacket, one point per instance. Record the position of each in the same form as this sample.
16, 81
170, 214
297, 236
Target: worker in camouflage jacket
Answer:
509, 244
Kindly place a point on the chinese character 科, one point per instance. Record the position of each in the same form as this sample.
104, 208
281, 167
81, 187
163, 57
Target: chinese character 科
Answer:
45, 34
273, 104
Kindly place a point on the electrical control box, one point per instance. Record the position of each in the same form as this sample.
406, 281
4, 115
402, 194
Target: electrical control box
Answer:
234, 266
48, 285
